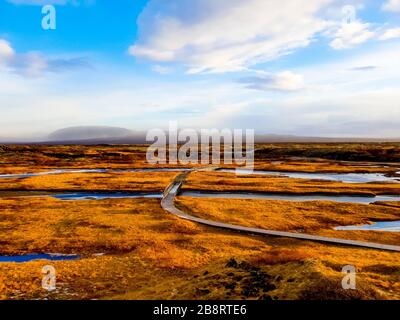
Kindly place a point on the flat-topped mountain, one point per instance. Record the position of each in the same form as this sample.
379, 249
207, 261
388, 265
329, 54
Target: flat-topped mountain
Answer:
88, 133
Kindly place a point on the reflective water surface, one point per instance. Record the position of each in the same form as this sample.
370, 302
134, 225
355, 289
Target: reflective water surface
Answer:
104, 195
341, 177
44, 256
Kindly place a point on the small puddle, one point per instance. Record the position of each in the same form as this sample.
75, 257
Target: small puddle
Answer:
289, 197
104, 195
388, 226
340, 177
44, 256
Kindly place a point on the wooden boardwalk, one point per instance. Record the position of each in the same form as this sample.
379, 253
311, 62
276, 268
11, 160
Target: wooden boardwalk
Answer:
168, 203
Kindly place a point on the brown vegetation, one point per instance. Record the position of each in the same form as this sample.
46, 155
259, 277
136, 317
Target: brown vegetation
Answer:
112, 181
384, 152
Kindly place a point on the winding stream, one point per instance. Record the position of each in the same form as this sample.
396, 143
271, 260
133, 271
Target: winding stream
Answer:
340, 177
44, 256
104, 195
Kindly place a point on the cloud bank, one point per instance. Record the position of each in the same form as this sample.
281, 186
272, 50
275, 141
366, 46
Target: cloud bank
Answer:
34, 64
285, 81
225, 35
392, 6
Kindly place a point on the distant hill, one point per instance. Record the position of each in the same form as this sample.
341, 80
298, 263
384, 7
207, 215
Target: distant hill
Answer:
276, 138
89, 133
139, 137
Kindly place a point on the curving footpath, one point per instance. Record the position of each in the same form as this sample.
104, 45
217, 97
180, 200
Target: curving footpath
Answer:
168, 204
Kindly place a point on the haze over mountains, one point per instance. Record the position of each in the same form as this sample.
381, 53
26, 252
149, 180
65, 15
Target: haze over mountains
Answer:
117, 135
89, 132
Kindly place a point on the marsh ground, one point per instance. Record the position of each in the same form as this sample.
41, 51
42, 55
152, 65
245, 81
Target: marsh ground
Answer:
132, 249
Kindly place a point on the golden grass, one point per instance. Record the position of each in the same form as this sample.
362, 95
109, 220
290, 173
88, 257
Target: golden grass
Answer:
324, 166
281, 256
152, 255
112, 181
314, 217
136, 229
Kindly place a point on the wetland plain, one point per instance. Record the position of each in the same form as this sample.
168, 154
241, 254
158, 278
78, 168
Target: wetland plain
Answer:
94, 213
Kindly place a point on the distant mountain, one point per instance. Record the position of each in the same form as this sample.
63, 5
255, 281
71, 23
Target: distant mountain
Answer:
139, 137
92, 135
89, 133
276, 138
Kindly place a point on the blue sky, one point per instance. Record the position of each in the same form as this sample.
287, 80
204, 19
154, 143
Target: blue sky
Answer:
322, 68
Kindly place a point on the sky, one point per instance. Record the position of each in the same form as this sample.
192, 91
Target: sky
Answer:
294, 67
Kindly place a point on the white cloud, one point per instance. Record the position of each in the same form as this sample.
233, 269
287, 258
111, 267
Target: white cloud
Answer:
351, 34
34, 64
282, 81
349, 75
161, 69
6, 51
231, 35
346, 97
225, 35
392, 33
355, 96
31, 65
391, 5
